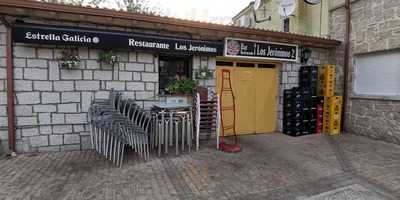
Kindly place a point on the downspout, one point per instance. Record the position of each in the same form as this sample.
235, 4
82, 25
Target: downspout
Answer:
346, 61
10, 86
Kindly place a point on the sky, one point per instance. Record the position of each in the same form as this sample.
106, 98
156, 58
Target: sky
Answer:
219, 11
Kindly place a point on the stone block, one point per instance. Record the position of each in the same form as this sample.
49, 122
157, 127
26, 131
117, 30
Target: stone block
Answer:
87, 85
42, 85
39, 141
137, 67
3, 121
145, 57
78, 128
54, 70
23, 86
3, 111
68, 74
150, 77
149, 68
23, 110
24, 52
56, 139
50, 97
102, 94
49, 149
36, 63
28, 97
63, 86
92, 64
22, 121
143, 95
3, 73
132, 57
57, 118
44, 118
19, 62
72, 139
117, 85
29, 132
88, 75
102, 75
3, 98
72, 147
45, 130
137, 76
44, 108
76, 118
18, 73
67, 108
35, 74
70, 97
135, 86
86, 101
45, 53
125, 76
62, 129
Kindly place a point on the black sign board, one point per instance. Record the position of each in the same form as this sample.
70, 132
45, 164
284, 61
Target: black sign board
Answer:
241, 48
95, 38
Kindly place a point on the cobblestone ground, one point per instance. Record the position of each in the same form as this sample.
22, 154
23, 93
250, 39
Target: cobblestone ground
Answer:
271, 166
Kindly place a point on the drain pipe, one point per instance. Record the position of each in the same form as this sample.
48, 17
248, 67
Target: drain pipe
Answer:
346, 61
10, 86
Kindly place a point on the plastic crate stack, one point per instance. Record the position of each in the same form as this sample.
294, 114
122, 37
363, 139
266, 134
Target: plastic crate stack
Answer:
332, 109
312, 107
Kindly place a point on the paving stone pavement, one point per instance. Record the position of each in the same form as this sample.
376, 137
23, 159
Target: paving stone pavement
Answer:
270, 166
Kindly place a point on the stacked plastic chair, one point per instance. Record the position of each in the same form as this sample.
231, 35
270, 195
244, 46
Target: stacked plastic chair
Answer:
115, 123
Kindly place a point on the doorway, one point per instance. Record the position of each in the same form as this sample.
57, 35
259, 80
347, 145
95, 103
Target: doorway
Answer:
255, 88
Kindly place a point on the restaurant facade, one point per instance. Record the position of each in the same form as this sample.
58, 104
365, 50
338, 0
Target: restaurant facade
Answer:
51, 68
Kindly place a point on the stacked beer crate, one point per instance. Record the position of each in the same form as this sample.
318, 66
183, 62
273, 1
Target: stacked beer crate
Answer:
311, 108
332, 104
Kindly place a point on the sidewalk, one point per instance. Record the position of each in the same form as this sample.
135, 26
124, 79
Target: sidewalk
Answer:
271, 166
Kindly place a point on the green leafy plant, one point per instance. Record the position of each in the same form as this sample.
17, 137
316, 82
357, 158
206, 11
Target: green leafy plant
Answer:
183, 86
70, 59
203, 73
108, 57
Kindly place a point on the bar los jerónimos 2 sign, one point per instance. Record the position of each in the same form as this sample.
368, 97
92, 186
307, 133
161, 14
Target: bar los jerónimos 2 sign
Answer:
241, 48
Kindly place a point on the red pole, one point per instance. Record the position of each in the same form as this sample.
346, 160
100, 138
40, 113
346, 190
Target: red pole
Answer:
10, 91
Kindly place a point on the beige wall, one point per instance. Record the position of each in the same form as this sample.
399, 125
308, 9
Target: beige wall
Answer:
306, 19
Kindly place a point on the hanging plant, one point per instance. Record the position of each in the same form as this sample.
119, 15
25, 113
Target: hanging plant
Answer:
203, 73
108, 57
70, 59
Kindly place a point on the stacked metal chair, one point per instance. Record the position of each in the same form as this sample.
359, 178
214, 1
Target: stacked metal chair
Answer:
115, 123
173, 127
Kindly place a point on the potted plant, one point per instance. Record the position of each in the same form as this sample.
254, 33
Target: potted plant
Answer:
203, 73
108, 57
181, 88
70, 59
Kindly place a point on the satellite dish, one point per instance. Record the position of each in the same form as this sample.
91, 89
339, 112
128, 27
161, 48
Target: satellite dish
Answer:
257, 4
287, 8
313, 2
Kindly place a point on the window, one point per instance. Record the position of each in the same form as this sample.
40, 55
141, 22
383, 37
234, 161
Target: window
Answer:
286, 25
377, 74
172, 67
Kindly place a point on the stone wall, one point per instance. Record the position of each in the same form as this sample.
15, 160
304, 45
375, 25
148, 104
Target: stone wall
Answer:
204, 61
375, 28
3, 91
52, 102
